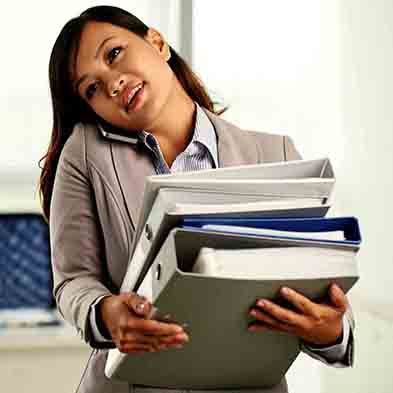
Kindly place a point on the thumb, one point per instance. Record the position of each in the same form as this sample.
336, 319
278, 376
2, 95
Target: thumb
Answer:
338, 298
139, 304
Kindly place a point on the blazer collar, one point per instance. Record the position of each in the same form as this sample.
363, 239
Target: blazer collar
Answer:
229, 142
133, 166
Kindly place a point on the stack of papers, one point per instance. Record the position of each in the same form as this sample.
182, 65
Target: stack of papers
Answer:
208, 244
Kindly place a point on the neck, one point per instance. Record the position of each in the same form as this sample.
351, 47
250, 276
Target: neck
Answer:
173, 128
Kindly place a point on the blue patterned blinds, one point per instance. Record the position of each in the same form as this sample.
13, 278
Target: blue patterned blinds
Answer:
25, 269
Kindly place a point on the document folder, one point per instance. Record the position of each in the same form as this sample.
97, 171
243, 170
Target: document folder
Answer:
164, 255
163, 218
222, 353
287, 179
348, 225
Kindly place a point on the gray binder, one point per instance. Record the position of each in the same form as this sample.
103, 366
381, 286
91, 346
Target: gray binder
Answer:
166, 213
287, 179
221, 353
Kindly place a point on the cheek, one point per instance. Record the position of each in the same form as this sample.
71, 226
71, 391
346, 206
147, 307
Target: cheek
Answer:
160, 73
106, 109
164, 82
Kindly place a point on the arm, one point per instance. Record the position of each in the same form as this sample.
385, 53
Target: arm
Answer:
341, 354
76, 240
78, 259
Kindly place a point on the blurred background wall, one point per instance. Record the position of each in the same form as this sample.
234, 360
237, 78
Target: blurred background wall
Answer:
318, 70
27, 39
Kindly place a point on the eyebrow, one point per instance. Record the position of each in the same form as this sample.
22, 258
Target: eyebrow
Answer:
82, 78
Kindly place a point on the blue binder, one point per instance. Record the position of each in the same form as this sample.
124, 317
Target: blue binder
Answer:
348, 225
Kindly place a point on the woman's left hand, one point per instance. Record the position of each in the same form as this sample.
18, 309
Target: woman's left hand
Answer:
315, 323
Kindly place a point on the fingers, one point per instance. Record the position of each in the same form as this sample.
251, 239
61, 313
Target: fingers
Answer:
257, 327
302, 303
135, 348
264, 317
139, 349
154, 341
139, 304
338, 298
132, 341
308, 307
149, 331
274, 316
152, 327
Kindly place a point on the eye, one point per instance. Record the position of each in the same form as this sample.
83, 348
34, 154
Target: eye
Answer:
91, 89
113, 53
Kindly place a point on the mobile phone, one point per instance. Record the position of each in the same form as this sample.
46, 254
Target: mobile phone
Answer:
118, 135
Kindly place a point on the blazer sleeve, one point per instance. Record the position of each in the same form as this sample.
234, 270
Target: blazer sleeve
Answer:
291, 153
76, 240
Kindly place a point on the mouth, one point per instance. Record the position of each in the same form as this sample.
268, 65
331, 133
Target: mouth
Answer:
131, 96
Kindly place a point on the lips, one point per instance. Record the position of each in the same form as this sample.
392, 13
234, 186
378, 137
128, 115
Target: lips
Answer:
129, 93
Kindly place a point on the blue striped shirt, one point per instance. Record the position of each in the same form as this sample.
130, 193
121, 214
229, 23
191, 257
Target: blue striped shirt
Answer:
201, 152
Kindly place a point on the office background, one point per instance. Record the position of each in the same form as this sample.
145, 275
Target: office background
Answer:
318, 70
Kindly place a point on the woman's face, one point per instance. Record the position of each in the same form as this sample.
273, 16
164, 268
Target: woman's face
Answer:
110, 62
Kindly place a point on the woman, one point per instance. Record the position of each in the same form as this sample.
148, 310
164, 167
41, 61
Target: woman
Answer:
110, 73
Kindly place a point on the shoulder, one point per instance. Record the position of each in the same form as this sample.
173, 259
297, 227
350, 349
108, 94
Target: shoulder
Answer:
84, 145
268, 146
274, 147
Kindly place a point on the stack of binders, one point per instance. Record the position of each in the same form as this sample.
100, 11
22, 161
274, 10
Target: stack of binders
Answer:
209, 243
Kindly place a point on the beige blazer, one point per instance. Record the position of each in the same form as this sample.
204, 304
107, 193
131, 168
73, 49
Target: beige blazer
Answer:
96, 199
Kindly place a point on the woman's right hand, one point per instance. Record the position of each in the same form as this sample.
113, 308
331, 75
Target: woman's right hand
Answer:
125, 315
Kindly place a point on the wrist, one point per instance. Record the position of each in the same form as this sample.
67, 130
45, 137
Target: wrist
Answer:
100, 317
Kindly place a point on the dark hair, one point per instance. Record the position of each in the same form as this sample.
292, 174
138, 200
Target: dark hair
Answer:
69, 109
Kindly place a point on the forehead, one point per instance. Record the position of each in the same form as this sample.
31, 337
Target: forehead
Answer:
93, 34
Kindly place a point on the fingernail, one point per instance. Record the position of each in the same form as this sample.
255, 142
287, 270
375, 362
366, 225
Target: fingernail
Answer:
262, 303
141, 306
182, 336
285, 291
253, 313
178, 346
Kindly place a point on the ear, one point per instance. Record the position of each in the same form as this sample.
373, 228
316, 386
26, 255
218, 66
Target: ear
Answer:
157, 41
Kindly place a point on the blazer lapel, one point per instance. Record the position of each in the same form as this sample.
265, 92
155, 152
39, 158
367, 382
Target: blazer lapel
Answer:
132, 167
233, 144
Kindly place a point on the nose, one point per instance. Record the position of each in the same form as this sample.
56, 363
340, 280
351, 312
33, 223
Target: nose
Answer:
115, 86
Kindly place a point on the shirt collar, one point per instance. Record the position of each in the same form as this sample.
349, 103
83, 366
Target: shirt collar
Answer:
204, 133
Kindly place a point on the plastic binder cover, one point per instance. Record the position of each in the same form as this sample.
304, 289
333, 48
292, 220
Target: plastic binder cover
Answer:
221, 352
294, 179
165, 216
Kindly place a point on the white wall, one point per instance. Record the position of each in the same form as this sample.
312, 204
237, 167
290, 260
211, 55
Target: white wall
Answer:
320, 71
366, 185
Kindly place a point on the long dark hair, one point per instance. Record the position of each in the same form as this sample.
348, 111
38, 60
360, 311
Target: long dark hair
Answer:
69, 109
